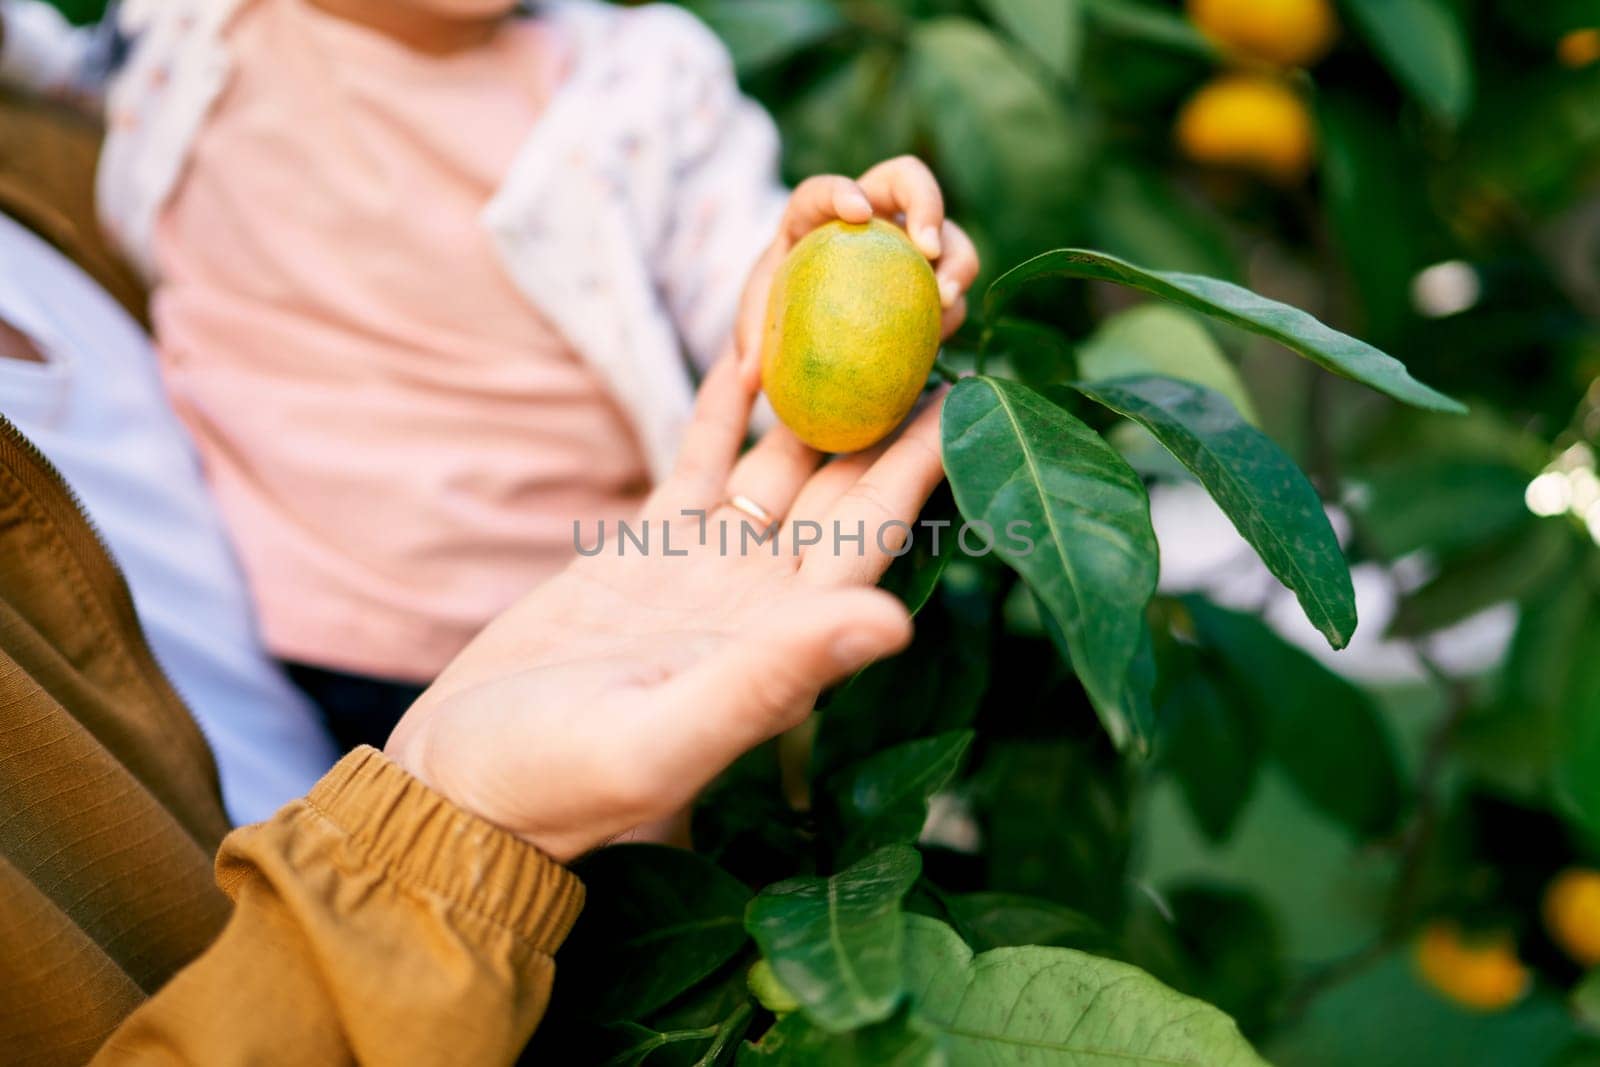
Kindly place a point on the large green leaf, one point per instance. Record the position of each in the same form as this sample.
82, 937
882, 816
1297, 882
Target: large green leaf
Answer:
835, 942
762, 32
1050, 29
1323, 730
1006, 144
1262, 491
1229, 303
884, 800
1157, 338
1056, 1007
1422, 42
657, 920
1023, 465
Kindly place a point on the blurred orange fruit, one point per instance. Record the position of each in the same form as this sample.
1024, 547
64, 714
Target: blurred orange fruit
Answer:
1579, 48
1572, 914
1480, 972
1249, 121
1288, 33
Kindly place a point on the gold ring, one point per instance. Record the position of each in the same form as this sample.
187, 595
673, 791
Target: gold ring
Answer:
745, 506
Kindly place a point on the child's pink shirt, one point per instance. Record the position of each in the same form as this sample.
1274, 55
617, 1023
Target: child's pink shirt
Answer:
400, 444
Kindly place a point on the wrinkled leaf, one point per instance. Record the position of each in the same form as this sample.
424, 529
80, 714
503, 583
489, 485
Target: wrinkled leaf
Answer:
1050, 29
1226, 302
657, 920
835, 943
1260, 489
1024, 466
1056, 1007
883, 800
1423, 43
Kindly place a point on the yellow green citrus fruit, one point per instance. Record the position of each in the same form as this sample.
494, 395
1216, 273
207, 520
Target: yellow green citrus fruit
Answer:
1287, 33
1579, 48
1572, 914
1480, 972
1249, 122
768, 991
852, 330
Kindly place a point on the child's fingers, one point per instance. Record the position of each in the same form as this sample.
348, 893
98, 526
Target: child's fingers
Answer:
905, 185
823, 199
711, 443
957, 269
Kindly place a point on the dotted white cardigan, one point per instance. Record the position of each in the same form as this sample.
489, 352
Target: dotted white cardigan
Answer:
630, 219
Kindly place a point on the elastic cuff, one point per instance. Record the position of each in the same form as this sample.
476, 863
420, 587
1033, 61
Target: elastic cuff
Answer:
430, 843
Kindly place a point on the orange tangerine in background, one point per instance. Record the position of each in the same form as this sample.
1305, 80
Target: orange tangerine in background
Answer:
1251, 122
1480, 972
1287, 33
1579, 48
1572, 914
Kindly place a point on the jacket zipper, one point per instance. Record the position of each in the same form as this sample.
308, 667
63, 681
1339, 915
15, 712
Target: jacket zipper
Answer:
43, 482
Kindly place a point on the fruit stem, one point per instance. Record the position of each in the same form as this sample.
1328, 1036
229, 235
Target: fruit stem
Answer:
945, 372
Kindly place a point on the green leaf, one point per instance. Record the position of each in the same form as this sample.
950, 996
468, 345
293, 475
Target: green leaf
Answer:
1000, 920
1585, 1001
794, 1041
1006, 144
1263, 493
1323, 730
1086, 546
1510, 569
1159, 339
1423, 44
850, 118
1236, 306
1384, 1016
1039, 355
1056, 1007
1050, 29
1141, 216
1442, 504
1213, 748
1149, 24
760, 33
884, 800
1577, 770
835, 943
657, 920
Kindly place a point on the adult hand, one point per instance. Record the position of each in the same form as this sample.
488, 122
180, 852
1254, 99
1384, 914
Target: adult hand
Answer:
611, 695
902, 190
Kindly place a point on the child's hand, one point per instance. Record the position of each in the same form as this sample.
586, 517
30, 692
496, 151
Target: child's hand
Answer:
902, 190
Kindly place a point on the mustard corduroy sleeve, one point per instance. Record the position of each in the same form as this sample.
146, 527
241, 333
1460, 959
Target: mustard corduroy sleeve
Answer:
373, 922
